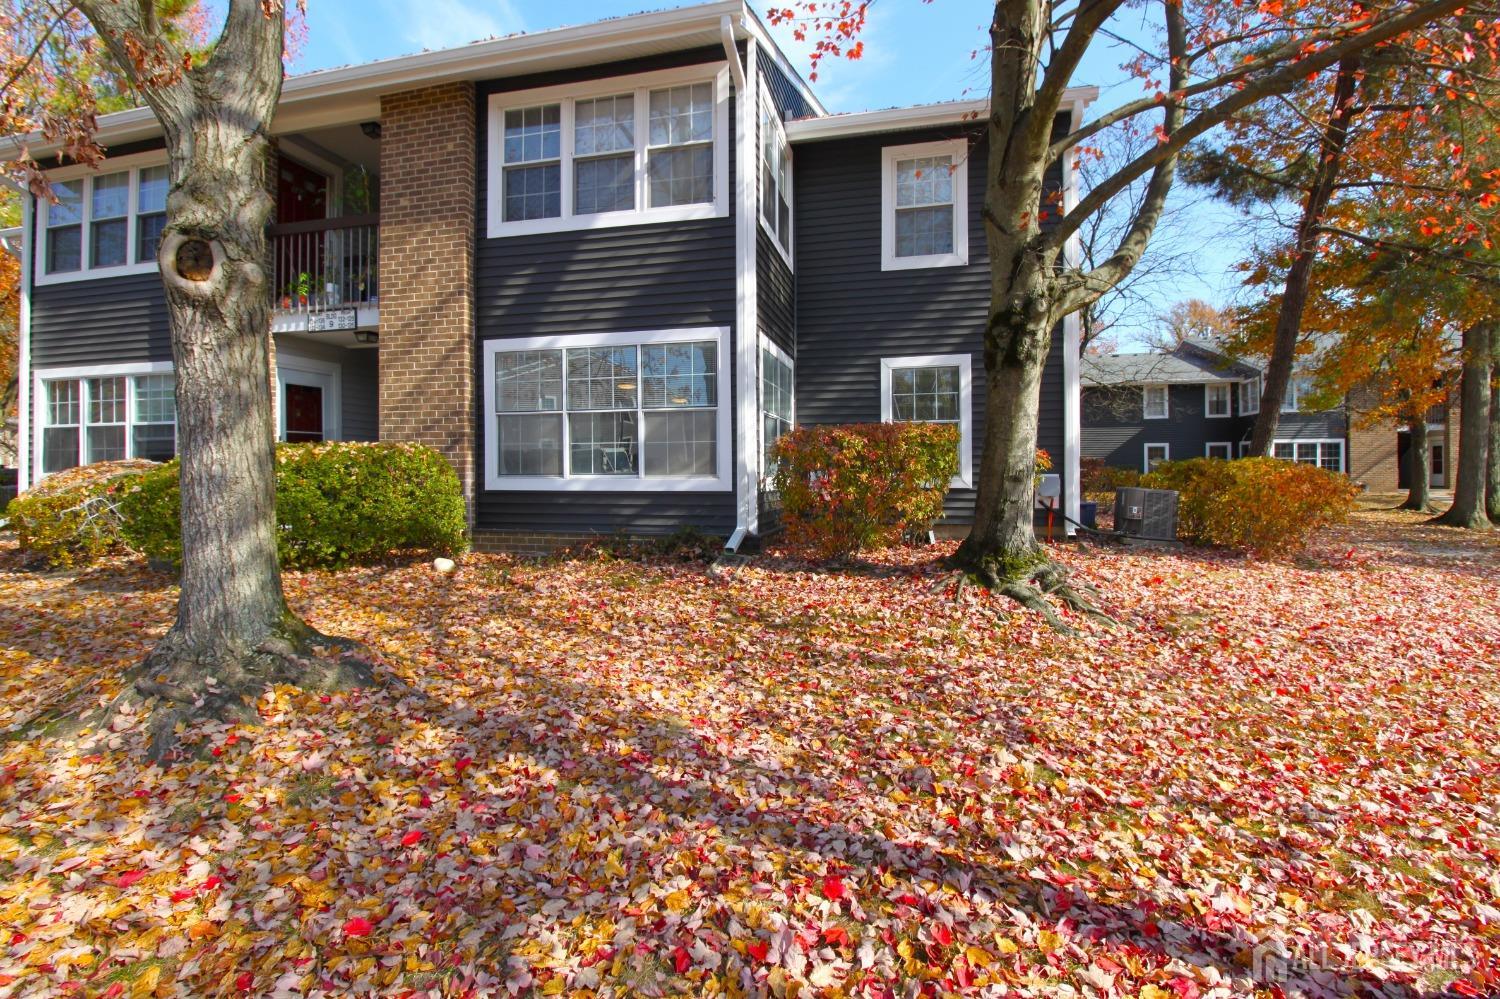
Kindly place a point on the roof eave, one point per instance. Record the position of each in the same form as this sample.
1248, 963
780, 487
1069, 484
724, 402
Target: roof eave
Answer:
911, 118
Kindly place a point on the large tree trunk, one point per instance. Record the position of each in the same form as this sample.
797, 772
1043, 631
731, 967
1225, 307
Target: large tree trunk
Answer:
1492, 478
1304, 254
1468, 509
234, 633
1418, 465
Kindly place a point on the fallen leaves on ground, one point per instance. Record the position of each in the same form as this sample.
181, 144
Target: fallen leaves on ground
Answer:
640, 778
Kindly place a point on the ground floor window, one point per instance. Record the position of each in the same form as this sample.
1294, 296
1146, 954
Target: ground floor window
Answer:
934, 388
608, 411
105, 415
776, 393
1326, 454
1219, 449
1155, 455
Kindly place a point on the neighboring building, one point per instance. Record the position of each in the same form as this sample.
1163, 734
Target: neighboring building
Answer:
601, 268
1196, 402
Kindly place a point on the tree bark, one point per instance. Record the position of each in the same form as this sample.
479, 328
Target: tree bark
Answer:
1418, 465
233, 634
1304, 254
1492, 476
1468, 509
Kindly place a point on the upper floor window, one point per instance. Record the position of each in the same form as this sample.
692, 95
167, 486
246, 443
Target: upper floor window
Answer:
103, 224
924, 205
775, 176
106, 414
1298, 388
1216, 400
650, 148
1250, 397
1154, 405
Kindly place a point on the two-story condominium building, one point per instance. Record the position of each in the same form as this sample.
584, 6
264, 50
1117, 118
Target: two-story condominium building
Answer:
601, 268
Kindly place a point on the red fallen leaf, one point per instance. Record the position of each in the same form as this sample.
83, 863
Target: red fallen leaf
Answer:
942, 933
129, 878
681, 960
759, 950
359, 926
1464, 987
117, 989
232, 798
833, 888
412, 838
325, 699
835, 935
244, 980
463, 764
182, 895
1185, 988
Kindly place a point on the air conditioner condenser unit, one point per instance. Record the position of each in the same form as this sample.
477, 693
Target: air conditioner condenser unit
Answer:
1147, 514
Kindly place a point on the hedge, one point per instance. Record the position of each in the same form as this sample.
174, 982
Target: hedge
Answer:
863, 485
72, 517
337, 503
1265, 506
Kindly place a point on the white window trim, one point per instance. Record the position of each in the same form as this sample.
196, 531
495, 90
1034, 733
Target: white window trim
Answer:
965, 477
1228, 446
1244, 449
959, 150
1146, 454
1146, 413
786, 251
722, 481
122, 164
760, 403
1321, 442
42, 376
1208, 393
1250, 404
333, 402
565, 95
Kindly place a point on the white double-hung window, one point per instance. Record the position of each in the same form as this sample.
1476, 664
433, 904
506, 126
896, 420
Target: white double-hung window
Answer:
614, 411
1155, 403
775, 176
936, 388
1250, 396
777, 389
621, 151
105, 414
1216, 399
103, 223
924, 205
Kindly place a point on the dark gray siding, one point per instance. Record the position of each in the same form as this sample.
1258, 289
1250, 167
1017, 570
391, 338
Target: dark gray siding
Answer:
648, 277
775, 294
100, 321
1327, 425
850, 313
788, 99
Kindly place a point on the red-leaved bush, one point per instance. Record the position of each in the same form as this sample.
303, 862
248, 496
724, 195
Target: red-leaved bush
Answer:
863, 485
1266, 506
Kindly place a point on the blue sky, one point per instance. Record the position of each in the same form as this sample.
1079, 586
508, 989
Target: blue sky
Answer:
914, 53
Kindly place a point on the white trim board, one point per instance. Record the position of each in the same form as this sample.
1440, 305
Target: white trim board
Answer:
723, 481
965, 477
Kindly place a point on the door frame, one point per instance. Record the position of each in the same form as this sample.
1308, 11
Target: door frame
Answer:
329, 375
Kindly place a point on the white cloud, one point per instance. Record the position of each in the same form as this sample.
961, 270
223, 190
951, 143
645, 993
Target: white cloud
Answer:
446, 23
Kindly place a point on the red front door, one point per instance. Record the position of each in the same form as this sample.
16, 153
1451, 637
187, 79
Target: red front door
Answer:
304, 413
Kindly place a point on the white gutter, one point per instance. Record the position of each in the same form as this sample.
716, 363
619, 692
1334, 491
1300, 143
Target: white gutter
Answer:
746, 486
922, 116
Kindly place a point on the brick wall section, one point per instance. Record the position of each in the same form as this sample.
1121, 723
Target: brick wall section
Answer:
1372, 448
427, 165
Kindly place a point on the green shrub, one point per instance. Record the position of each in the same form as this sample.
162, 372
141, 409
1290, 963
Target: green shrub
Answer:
72, 518
336, 503
865, 485
1100, 481
1265, 506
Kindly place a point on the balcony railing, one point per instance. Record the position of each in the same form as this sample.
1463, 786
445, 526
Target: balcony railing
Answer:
326, 264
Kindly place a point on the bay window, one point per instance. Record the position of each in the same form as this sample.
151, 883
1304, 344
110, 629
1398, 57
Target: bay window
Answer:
103, 223
107, 414
608, 411
775, 176
932, 389
623, 151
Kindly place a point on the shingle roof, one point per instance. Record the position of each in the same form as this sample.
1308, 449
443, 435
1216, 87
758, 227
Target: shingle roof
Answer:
1191, 363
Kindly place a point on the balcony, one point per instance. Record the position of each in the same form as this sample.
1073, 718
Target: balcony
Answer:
326, 274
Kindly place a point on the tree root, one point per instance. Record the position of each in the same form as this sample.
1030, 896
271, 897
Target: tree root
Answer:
1029, 582
176, 686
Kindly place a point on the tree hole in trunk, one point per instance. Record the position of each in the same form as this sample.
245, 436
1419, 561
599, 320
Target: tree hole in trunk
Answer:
195, 260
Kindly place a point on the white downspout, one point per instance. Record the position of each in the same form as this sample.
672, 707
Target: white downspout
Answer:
23, 345
747, 499
1072, 389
